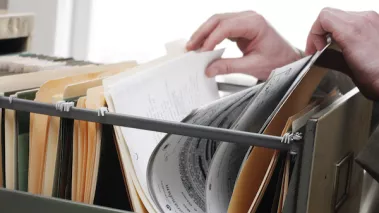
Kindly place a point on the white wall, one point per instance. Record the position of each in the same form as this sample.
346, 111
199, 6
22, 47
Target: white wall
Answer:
116, 30
124, 29
52, 31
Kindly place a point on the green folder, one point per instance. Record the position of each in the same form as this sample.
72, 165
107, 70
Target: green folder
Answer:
63, 168
22, 132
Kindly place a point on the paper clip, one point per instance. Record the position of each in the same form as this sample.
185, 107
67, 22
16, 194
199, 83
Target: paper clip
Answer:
59, 105
296, 136
102, 111
286, 138
289, 137
11, 98
67, 106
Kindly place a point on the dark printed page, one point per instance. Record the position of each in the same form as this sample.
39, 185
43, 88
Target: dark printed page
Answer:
229, 157
179, 166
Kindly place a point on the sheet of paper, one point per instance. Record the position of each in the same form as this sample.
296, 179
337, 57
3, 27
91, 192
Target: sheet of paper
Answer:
258, 113
169, 91
222, 176
179, 165
139, 200
261, 108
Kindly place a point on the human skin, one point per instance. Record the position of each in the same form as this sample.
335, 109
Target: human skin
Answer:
356, 33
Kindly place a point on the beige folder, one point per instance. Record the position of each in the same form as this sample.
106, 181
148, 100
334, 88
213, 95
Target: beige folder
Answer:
258, 168
40, 122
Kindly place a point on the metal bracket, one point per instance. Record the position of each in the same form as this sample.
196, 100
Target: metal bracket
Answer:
292, 139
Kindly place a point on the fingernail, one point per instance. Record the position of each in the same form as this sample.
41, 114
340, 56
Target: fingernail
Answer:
189, 45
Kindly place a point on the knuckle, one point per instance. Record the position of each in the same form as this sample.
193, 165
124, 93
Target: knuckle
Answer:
260, 19
371, 16
225, 27
327, 9
257, 21
324, 10
215, 17
250, 12
358, 24
356, 27
226, 24
324, 13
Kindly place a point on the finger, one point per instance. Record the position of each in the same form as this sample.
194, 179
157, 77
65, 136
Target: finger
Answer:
329, 21
205, 29
244, 27
224, 66
247, 65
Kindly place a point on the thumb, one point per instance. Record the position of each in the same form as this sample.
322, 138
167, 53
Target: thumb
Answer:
231, 65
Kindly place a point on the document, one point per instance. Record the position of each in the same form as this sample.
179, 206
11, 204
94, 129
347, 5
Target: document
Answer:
179, 166
177, 178
169, 91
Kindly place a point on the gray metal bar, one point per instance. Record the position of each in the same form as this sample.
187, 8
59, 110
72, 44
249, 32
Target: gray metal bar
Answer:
233, 136
306, 166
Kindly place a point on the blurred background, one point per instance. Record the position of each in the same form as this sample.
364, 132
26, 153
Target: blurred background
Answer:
107, 31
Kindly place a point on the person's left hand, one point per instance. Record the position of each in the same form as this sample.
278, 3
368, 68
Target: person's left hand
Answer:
262, 47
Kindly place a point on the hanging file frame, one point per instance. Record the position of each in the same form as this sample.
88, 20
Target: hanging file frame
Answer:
17, 201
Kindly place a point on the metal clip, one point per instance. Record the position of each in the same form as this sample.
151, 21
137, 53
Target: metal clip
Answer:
102, 111
297, 136
11, 98
59, 105
329, 38
289, 138
67, 106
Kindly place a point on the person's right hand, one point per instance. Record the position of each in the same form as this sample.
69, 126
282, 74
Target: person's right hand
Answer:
357, 34
262, 47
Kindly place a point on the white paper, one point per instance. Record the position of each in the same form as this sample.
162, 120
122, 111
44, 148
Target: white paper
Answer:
179, 166
222, 176
169, 91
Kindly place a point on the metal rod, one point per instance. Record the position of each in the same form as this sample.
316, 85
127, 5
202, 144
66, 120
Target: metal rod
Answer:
178, 128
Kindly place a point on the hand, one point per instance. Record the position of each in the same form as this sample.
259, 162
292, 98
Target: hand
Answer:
262, 47
357, 34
